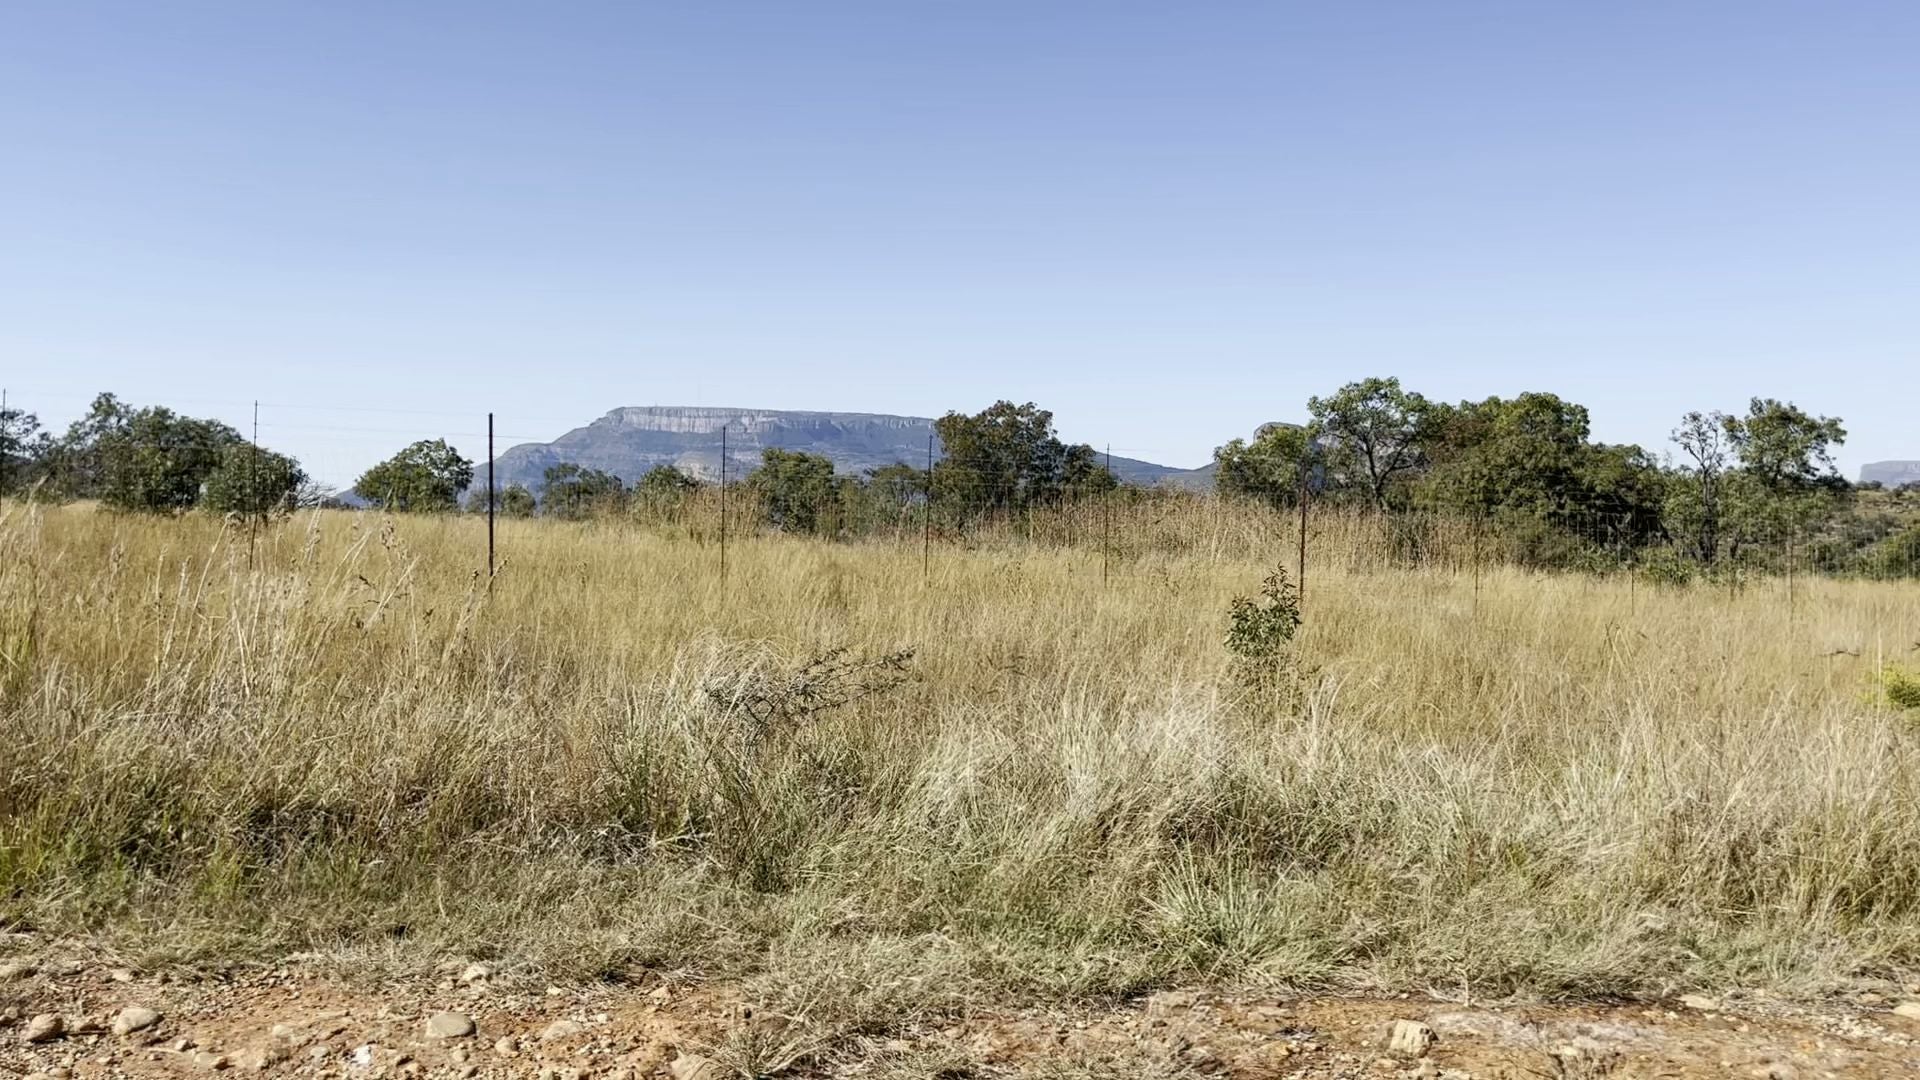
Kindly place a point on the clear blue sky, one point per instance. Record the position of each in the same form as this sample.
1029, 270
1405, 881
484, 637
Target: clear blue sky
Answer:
1167, 222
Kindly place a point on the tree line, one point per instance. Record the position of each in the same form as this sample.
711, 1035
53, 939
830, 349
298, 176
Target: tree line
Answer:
151, 459
1527, 467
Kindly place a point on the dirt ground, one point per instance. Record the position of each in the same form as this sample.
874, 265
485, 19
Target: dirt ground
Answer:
299, 1021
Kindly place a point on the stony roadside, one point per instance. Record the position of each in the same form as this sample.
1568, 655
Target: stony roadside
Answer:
63, 1017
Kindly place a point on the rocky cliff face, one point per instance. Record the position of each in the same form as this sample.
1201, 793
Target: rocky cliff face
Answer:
1891, 473
629, 441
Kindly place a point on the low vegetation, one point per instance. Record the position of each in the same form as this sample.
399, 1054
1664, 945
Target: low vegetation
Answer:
844, 766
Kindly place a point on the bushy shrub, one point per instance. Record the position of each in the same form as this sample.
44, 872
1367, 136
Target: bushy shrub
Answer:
1260, 631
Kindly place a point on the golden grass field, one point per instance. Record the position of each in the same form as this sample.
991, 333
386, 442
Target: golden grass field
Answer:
1539, 786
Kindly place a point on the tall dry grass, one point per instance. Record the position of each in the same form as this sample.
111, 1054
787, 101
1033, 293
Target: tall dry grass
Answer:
1536, 785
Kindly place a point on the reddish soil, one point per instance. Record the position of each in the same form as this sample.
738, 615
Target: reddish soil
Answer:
291, 1022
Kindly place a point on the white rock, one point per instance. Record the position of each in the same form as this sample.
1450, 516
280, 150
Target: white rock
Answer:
694, 1067
449, 1025
134, 1018
561, 1029
362, 1057
210, 1061
1410, 1038
474, 973
44, 1028
1908, 1009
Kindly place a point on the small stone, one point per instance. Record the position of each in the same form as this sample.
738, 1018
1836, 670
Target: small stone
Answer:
181, 1046
660, 995
17, 969
134, 1018
210, 1061
1410, 1039
561, 1029
262, 1058
449, 1025
474, 973
60, 1072
44, 1028
693, 1067
506, 1046
1908, 1009
362, 1056
120, 975
1700, 1002
468, 1072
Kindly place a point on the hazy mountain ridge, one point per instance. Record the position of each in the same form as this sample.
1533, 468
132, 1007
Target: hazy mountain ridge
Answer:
1891, 473
630, 440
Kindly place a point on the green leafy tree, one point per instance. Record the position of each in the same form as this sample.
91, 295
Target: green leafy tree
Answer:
253, 481
1696, 505
574, 492
157, 461
74, 464
24, 450
1787, 480
1374, 433
426, 477
1786, 450
514, 501
665, 485
1007, 457
798, 490
1272, 468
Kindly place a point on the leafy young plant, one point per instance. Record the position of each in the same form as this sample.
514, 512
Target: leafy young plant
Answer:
1902, 687
1260, 629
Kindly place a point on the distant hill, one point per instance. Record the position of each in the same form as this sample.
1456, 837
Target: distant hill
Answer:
1891, 473
628, 441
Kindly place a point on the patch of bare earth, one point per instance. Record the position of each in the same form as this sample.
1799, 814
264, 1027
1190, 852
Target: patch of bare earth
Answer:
68, 1018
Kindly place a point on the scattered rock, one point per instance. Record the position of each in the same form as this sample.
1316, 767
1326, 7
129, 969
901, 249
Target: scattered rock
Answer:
1700, 1002
87, 1025
134, 1018
1586, 1056
1908, 1009
210, 1061
120, 975
45, 1027
561, 1029
1410, 1039
362, 1056
181, 1046
474, 973
449, 1025
507, 1046
694, 1067
262, 1058
17, 969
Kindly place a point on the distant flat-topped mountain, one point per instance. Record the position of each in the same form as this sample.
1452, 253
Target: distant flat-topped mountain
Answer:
1891, 473
627, 442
